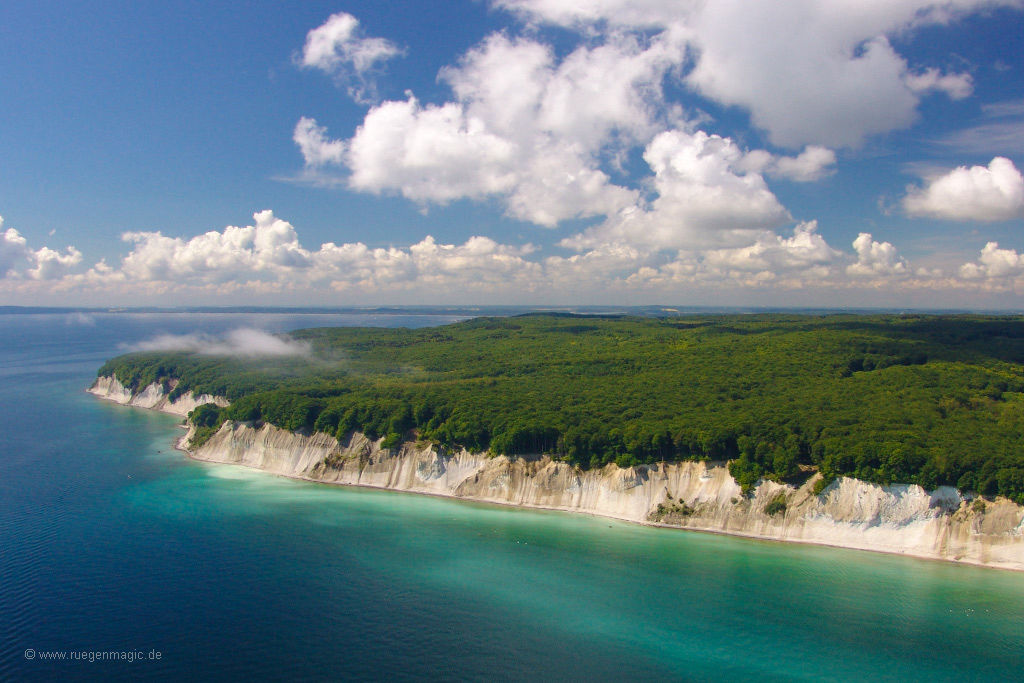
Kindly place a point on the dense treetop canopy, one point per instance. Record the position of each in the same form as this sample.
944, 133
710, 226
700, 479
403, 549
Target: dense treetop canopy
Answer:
920, 399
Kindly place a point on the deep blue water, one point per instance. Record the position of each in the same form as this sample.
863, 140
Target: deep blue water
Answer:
112, 541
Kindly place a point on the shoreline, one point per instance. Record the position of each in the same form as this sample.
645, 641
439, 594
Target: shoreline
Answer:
598, 515
776, 530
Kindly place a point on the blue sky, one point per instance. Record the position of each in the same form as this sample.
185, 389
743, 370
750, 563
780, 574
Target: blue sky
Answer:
513, 151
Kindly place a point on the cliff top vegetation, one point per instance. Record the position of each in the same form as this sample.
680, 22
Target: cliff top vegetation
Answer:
920, 399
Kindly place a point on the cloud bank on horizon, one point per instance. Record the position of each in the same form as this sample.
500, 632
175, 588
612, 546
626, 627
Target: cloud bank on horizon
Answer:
610, 141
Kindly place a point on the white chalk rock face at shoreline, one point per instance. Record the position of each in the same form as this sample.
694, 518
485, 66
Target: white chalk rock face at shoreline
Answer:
901, 519
152, 397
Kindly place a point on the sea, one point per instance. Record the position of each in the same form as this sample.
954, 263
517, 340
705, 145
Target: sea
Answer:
122, 559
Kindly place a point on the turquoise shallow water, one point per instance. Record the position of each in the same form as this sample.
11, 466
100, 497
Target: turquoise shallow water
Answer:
110, 540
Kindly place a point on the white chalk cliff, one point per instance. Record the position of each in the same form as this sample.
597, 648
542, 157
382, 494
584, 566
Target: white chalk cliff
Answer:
152, 397
903, 519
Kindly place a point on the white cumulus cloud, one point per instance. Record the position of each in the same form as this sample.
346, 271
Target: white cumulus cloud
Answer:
552, 131
236, 254
13, 250
338, 47
51, 264
802, 259
956, 86
994, 263
432, 153
814, 163
18, 260
809, 72
704, 197
523, 126
547, 133
876, 258
612, 259
268, 257
337, 42
978, 193
772, 253
317, 149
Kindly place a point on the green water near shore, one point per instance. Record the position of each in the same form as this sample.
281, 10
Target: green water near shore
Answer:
686, 604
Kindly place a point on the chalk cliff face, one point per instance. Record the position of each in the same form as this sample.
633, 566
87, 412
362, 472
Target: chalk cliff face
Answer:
152, 397
696, 495
850, 513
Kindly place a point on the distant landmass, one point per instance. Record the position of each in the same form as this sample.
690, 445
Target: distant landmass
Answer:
491, 310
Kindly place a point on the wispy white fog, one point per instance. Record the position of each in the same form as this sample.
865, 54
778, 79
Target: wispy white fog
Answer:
241, 342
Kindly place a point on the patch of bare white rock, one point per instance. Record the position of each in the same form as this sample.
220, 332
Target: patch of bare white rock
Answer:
152, 397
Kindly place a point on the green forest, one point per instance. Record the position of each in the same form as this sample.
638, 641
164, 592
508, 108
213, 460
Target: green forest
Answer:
923, 399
